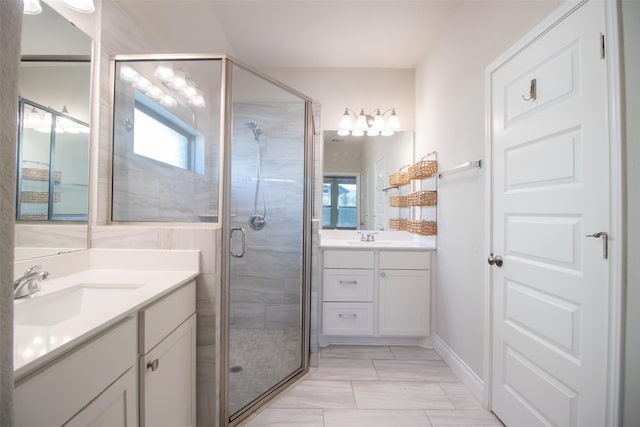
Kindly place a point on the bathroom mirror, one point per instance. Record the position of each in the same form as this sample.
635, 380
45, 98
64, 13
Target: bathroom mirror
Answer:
356, 179
53, 137
166, 140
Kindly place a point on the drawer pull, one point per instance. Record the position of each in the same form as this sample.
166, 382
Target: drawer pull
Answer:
347, 316
348, 282
153, 365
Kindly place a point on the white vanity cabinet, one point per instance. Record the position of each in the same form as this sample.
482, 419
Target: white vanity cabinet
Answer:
140, 371
92, 386
168, 361
404, 294
376, 293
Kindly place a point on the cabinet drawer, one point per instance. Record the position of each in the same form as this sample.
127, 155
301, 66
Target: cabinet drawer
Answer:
347, 285
348, 259
339, 318
54, 395
158, 320
413, 260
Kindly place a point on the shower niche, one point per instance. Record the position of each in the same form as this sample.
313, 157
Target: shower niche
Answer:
207, 139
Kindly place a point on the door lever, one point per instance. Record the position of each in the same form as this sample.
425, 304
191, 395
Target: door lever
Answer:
605, 242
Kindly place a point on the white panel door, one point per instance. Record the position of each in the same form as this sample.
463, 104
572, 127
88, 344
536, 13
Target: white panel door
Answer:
551, 189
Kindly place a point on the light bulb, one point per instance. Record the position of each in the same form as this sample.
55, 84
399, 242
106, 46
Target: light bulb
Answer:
378, 123
361, 123
386, 133
168, 101
190, 89
373, 132
128, 74
142, 83
84, 6
343, 132
345, 122
394, 123
179, 82
155, 92
32, 7
164, 72
357, 132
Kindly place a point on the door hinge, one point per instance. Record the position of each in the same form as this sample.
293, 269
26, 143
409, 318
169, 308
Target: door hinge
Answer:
601, 46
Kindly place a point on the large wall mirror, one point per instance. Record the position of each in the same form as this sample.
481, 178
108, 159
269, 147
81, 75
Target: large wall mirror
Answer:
53, 141
355, 184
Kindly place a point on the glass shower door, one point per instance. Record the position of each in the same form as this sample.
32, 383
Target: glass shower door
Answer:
267, 227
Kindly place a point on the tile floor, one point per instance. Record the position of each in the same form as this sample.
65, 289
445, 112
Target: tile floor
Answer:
375, 386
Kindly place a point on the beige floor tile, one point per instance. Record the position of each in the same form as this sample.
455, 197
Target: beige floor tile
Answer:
414, 370
344, 369
399, 395
460, 396
375, 418
317, 394
414, 353
462, 418
286, 418
356, 352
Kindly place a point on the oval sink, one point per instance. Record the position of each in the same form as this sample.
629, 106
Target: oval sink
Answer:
49, 310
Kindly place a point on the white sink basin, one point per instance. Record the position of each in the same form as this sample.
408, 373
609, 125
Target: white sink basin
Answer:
49, 310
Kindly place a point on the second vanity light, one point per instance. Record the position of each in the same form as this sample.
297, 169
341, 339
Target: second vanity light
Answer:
373, 124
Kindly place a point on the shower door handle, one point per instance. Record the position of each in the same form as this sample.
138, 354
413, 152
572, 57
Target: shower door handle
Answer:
243, 232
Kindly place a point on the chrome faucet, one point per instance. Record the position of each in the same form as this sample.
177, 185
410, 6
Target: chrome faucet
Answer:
371, 236
29, 283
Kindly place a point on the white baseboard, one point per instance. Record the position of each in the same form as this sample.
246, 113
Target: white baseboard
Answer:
473, 382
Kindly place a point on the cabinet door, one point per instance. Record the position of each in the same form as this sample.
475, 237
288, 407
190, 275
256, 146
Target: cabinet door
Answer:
168, 380
115, 407
403, 306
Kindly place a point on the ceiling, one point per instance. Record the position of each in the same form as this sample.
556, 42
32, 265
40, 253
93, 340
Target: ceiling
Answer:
298, 33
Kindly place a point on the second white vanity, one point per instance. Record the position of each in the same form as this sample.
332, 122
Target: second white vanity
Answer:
375, 292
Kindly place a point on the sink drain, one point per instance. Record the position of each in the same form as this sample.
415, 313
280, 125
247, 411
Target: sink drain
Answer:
235, 369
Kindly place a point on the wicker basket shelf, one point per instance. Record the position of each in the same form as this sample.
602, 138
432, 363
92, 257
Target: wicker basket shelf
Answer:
399, 178
423, 198
398, 223
423, 169
421, 227
398, 202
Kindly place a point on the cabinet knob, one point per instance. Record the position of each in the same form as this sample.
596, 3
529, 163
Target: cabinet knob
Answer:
153, 365
383, 274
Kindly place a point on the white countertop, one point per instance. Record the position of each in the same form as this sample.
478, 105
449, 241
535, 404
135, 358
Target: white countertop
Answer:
391, 240
36, 345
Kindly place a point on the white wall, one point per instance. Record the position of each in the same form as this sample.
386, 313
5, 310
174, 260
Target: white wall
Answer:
631, 40
338, 88
450, 103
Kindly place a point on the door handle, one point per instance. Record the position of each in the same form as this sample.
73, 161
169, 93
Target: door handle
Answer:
243, 232
605, 242
497, 260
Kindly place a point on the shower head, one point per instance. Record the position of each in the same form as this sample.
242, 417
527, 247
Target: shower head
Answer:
256, 130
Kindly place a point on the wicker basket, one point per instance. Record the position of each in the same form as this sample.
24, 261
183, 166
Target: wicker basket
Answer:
423, 198
398, 202
398, 223
424, 228
399, 178
423, 169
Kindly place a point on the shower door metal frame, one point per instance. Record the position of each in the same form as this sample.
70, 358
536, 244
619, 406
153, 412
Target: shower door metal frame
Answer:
226, 116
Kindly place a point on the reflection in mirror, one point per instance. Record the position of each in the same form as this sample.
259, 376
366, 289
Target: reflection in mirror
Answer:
355, 186
166, 133
53, 137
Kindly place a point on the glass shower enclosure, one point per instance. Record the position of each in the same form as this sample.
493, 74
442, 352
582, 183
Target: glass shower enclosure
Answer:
250, 137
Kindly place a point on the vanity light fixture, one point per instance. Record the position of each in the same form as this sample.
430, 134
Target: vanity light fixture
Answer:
373, 124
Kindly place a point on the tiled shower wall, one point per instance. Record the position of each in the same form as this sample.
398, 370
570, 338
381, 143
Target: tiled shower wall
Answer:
266, 292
